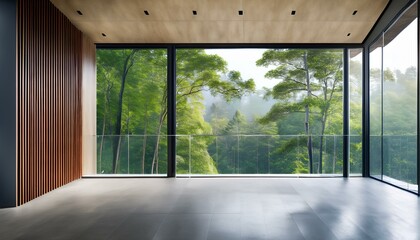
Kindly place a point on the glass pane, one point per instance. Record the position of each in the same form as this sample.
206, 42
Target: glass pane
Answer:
400, 102
259, 111
355, 104
105, 158
393, 103
375, 108
131, 111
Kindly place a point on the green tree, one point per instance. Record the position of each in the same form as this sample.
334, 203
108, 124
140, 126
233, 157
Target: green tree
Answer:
130, 83
311, 83
132, 99
126, 59
198, 71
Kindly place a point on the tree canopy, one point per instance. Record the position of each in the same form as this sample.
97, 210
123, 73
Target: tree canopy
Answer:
228, 125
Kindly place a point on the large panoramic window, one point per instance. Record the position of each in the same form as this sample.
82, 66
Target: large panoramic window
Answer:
131, 111
259, 111
238, 111
398, 91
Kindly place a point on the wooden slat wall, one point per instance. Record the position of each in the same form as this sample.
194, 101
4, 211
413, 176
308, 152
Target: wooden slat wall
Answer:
49, 99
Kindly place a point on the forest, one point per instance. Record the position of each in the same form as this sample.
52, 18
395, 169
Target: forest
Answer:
226, 123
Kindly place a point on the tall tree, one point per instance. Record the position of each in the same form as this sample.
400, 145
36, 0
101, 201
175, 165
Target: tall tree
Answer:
104, 89
198, 71
309, 82
138, 100
129, 60
118, 64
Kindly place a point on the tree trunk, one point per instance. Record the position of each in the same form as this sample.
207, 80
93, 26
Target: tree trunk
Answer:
307, 129
117, 157
324, 116
335, 155
156, 152
323, 122
128, 139
128, 63
146, 121
321, 145
101, 146
107, 101
162, 117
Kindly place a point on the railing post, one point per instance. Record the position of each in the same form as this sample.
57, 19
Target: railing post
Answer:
128, 153
171, 81
189, 155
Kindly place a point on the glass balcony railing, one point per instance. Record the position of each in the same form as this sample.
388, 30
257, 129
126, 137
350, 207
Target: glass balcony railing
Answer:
393, 159
258, 154
131, 154
201, 155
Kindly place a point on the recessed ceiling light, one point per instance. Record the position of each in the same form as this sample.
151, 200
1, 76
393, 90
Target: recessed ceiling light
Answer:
241, 12
79, 12
293, 12
194, 12
354, 13
103, 35
348, 34
146, 13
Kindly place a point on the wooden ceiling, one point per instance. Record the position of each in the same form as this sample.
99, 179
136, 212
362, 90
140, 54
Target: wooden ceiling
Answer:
218, 21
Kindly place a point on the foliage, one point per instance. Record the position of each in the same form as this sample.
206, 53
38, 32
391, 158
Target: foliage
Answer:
244, 130
310, 83
132, 101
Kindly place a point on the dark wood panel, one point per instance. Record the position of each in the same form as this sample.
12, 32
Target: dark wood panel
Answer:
8, 104
49, 99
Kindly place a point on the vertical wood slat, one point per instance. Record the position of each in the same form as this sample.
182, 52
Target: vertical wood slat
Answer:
49, 101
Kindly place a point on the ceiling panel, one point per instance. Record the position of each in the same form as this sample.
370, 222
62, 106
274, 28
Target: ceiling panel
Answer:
309, 32
218, 21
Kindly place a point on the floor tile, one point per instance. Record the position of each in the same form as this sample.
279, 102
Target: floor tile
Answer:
217, 208
225, 226
184, 226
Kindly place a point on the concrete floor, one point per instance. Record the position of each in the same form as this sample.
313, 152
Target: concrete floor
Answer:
328, 208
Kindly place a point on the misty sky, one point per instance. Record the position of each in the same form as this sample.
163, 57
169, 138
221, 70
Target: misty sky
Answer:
243, 60
402, 52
